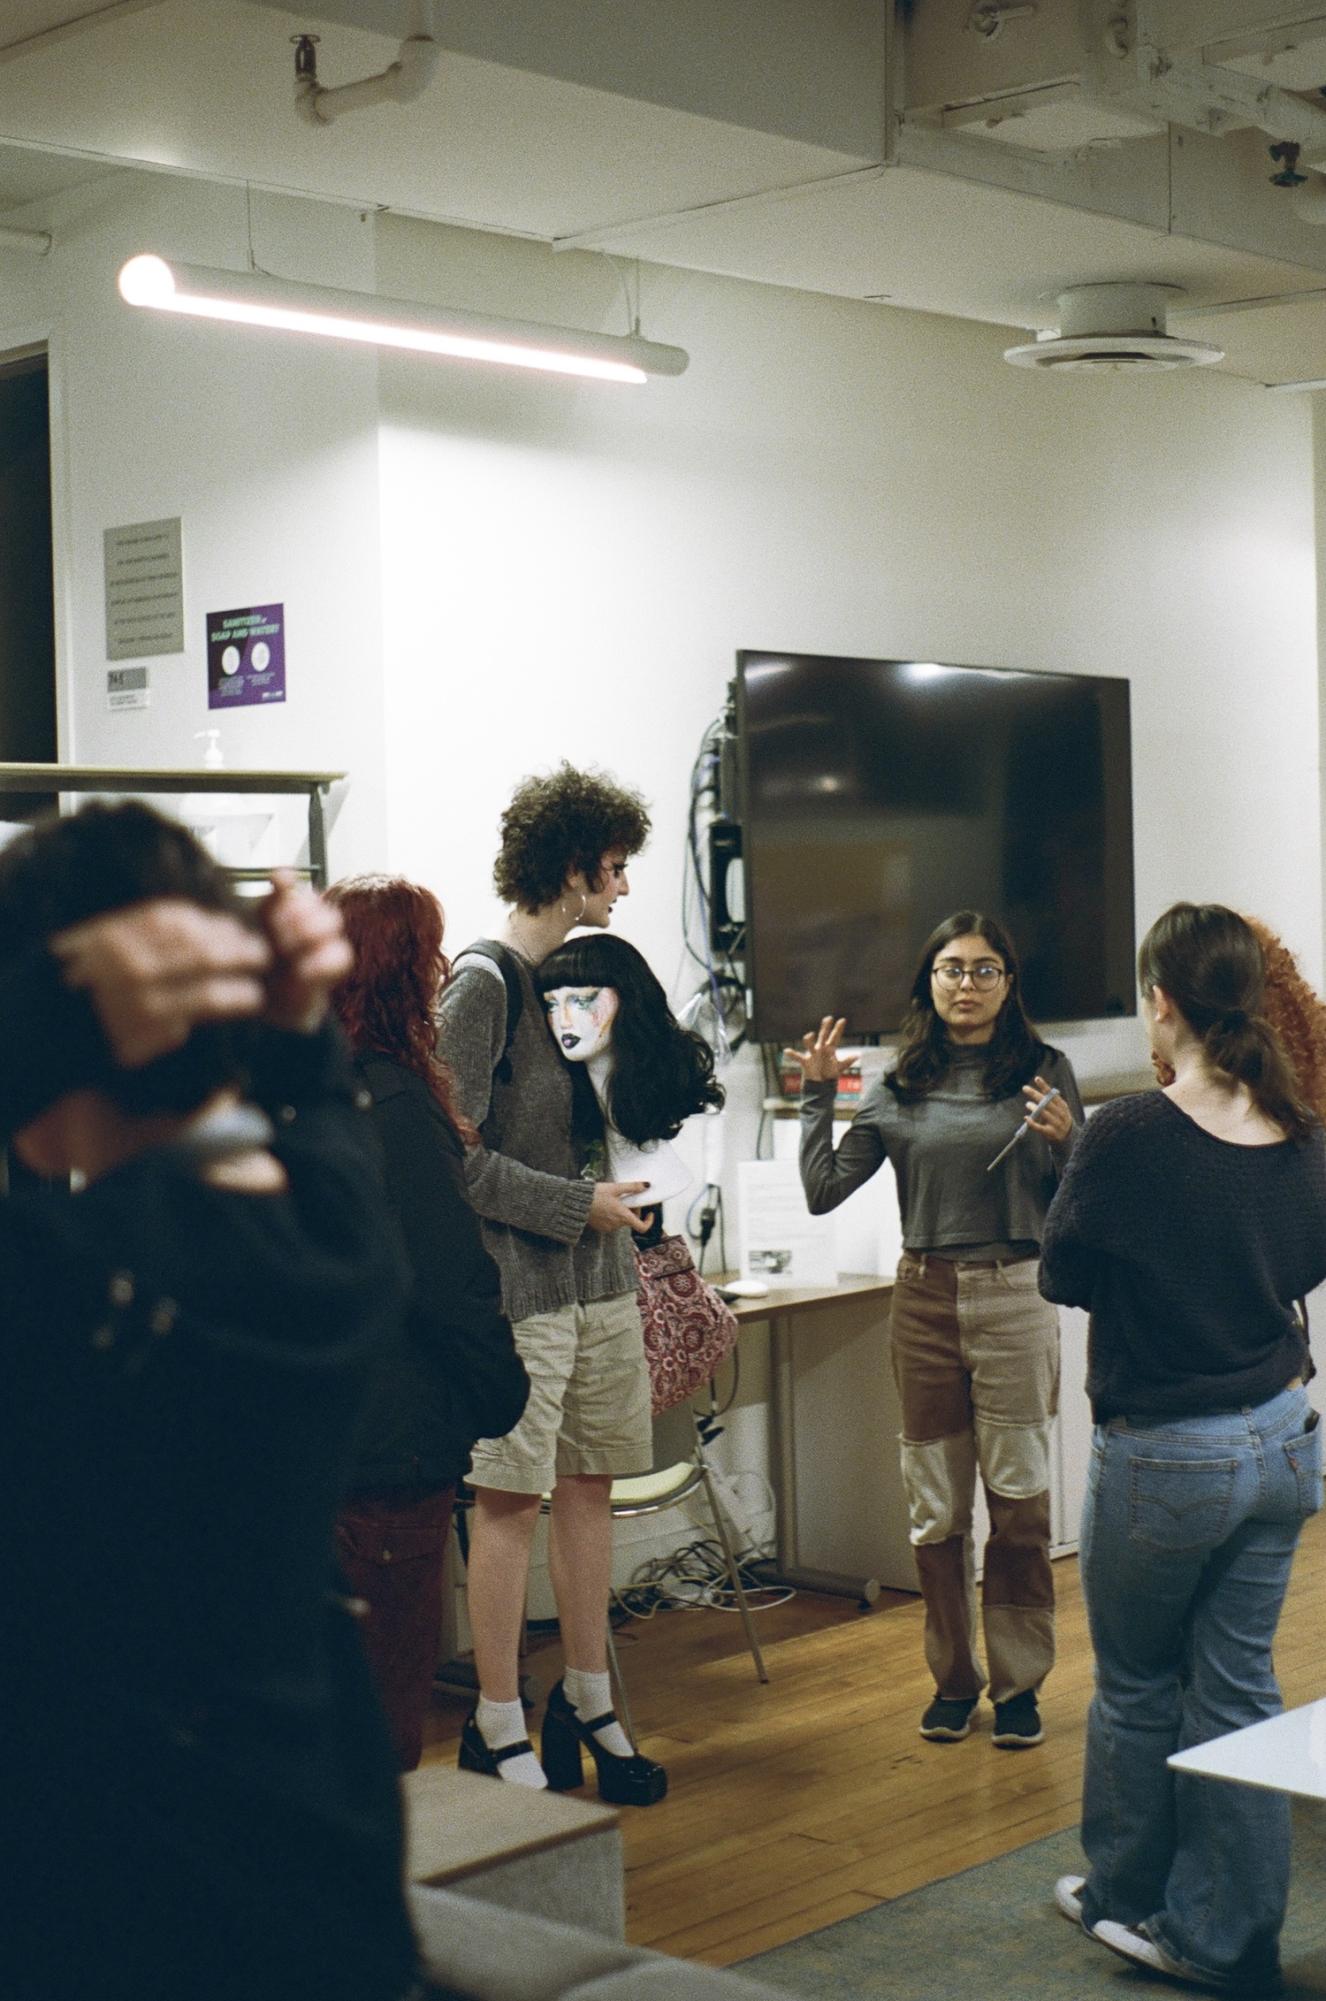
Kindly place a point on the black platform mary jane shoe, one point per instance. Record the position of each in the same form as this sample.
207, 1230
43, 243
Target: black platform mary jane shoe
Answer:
633, 1781
476, 1756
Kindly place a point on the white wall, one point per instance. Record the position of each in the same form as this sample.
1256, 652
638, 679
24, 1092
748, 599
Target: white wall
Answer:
568, 571
266, 449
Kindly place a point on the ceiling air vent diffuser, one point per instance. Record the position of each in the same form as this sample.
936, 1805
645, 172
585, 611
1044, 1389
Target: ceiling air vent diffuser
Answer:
1113, 327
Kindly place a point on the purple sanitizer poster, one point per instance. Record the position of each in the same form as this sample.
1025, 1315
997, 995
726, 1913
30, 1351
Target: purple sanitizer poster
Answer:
245, 656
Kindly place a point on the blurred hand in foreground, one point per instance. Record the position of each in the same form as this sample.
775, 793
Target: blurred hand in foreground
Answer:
156, 970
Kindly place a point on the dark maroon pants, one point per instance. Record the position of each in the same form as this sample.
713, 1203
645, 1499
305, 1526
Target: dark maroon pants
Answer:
391, 1549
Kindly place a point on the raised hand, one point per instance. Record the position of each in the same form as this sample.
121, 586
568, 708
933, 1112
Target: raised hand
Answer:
157, 969
818, 1054
308, 952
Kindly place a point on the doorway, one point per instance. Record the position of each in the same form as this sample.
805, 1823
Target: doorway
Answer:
27, 607
27, 584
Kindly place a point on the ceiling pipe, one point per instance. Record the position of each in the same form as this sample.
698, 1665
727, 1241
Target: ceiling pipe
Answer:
400, 83
1309, 201
37, 242
1206, 98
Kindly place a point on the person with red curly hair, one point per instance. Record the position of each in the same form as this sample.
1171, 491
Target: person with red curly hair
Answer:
1296, 1013
449, 1374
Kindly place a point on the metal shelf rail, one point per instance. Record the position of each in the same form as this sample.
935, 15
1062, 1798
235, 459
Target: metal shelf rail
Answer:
48, 778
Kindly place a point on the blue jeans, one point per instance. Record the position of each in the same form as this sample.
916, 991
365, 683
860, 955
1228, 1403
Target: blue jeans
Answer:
1188, 1533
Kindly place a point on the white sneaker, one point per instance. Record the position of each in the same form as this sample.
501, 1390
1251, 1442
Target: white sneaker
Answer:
1068, 1898
1143, 1951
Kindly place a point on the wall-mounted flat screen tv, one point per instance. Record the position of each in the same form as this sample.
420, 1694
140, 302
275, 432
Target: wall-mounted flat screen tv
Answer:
879, 795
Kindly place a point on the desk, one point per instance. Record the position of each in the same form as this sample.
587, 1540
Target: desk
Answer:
855, 1417
1285, 1754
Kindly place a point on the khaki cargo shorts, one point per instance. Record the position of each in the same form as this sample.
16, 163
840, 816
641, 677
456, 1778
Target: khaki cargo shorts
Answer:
588, 1409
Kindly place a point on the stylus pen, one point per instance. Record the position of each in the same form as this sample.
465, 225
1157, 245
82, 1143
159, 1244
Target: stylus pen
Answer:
1025, 1127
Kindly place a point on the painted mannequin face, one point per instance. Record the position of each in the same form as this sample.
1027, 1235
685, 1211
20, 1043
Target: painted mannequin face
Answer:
581, 1020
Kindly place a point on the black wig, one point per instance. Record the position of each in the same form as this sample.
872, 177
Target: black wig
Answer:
663, 1072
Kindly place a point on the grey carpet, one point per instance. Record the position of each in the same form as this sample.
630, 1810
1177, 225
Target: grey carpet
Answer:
993, 1934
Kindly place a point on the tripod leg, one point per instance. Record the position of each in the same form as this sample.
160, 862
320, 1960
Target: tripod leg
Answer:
734, 1575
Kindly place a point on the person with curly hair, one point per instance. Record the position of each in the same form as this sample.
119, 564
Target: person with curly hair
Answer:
562, 1244
448, 1372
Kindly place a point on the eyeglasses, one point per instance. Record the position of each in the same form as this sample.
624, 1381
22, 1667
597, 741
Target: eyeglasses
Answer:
951, 973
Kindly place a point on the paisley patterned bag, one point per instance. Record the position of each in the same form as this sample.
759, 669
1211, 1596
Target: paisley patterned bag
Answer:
689, 1330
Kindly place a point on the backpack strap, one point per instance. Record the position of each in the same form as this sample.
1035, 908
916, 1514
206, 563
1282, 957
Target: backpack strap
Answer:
504, 959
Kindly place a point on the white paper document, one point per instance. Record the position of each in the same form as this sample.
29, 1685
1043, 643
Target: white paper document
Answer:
781, 1242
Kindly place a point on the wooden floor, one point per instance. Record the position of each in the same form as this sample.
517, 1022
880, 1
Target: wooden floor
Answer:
800, 1803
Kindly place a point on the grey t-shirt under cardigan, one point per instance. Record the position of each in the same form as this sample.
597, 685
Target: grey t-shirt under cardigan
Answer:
940, 1148
524, 1176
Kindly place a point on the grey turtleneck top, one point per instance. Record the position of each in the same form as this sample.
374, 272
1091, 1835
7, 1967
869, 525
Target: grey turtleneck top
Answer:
940, 1148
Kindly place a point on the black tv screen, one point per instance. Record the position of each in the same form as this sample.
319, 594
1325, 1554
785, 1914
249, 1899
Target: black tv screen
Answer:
877, 796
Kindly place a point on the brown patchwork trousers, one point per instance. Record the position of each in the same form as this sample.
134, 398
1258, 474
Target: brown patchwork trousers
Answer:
976, 1361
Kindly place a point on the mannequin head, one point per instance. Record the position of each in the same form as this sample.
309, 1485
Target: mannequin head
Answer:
581, 1020
661, 1071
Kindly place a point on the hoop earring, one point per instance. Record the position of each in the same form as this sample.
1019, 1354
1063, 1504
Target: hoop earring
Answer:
573, 921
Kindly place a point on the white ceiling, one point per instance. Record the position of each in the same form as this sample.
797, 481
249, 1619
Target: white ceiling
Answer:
28, 177
739, 136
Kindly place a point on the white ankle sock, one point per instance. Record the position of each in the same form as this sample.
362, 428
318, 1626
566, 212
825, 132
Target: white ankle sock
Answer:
590, 1695
502, 1723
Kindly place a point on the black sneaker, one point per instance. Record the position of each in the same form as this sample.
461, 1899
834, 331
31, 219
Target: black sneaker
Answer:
948, 1719
1017, 1722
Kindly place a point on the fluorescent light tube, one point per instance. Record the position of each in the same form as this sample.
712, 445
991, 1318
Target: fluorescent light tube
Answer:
249, 298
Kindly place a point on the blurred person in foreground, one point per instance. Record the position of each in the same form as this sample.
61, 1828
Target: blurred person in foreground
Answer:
199, 1794
450, 1374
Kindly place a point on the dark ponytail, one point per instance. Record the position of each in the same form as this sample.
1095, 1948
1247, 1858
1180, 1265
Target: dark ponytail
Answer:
1209, 962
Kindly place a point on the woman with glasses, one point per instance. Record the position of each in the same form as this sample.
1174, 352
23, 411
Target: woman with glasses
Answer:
975, 1347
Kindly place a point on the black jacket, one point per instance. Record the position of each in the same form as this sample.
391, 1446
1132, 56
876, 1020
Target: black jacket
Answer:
451, 1374
199, 1796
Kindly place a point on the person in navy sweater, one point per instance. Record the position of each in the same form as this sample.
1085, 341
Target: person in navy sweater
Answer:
1189, 1223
